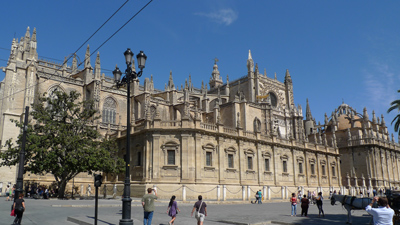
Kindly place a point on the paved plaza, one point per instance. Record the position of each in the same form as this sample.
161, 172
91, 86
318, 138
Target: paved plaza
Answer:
70, 212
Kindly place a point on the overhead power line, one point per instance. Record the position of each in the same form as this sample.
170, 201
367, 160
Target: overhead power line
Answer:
86, 42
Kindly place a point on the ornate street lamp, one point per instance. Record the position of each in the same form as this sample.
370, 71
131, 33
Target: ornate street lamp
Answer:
130, 76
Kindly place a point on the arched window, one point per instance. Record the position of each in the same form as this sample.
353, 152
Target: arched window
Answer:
274, 100
109, 111
257, 125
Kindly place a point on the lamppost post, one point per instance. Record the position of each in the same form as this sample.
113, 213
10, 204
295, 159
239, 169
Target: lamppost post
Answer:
130, 76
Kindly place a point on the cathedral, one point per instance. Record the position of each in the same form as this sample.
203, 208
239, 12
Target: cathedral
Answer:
238, 136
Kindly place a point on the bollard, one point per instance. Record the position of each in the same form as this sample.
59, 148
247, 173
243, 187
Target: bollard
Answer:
243, 193
283, 192
184, 193
224, 192
286, 192
115, 191
82, 190
265, 192
248, 193
218, 193
269, 192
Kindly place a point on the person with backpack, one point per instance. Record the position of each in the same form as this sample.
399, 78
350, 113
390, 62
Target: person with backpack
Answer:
19, 208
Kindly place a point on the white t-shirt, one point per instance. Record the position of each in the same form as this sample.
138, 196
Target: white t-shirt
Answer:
381, 215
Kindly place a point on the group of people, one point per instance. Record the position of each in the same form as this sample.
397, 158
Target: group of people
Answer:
305, 202
199, 208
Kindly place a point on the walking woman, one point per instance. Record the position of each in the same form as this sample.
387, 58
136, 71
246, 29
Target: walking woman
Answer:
319, 204
19, 207
293, 202
172, 209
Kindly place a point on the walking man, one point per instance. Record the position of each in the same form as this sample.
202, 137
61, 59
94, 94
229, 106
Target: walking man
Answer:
148, 205
201, 210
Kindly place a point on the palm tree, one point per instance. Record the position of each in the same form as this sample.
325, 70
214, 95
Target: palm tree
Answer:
395, 105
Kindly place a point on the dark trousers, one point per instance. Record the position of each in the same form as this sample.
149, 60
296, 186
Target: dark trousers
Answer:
320, 209
304, 210
18, 218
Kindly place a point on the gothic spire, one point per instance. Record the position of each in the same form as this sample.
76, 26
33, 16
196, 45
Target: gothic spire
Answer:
87, 58
308, 111
74, 63
250, 63
288, 79
34, 34
171, 82
365, 116
374, 120
27, 34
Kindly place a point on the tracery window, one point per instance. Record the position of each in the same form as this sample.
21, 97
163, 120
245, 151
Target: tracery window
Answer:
273, 98
109, 111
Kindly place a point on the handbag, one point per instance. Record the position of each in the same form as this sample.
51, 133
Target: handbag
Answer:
197, 213
12, 212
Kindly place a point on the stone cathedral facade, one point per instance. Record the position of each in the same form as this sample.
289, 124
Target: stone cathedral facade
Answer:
241, 133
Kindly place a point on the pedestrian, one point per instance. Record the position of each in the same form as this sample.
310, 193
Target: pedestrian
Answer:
172, 209
13, 193
374, 192
383, 214
304, 205
148, 205
380, 191
368, 192
319, 204
201, 210
19, 208
8, 193
361, 194
293, 202
330, 195
259, 193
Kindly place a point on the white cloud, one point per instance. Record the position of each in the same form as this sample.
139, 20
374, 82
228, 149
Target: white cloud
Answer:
381, 85
222, 16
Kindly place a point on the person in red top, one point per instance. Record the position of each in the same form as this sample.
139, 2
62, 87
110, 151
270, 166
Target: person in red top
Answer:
304, 205
293, 202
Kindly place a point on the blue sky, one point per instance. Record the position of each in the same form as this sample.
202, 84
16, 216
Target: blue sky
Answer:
335, 50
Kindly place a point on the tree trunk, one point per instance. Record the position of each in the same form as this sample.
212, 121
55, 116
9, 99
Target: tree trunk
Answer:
62, 186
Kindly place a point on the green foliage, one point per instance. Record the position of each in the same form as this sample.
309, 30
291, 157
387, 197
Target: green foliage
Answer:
395, 105
62, 140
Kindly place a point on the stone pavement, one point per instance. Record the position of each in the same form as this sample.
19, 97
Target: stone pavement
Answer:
70, 212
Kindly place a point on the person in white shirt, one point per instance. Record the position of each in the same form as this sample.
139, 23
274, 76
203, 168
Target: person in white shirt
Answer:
383, 215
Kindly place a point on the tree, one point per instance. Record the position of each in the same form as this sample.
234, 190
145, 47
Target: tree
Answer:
63, 141
395, 105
